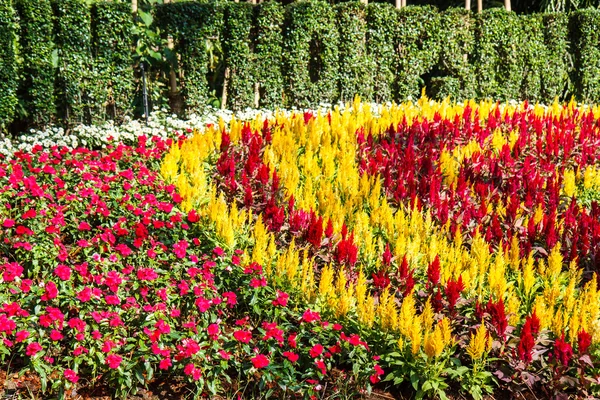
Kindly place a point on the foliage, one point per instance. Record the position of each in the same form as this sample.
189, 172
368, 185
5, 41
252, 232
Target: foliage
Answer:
36, 86
558, 63
196, 28
311, 54
238, 55
113, 65
456, 56
533, 56
382, 21
269, 53
8, 68
73, 42
497, 60
585, 37
418, 45
355, 64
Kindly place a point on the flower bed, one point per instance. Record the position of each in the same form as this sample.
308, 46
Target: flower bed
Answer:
460, 241
432, 247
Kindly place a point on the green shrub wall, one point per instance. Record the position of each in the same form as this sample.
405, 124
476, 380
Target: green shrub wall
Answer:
72, 62
238, 52
73, 34
8, 67
356, 66
456, 75
382, 23
418, 38
113, 67
197, 30
36, 88
555, 71
585, 39
311, 54
269, 49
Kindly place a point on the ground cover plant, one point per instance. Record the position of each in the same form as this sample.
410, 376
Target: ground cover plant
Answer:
436, 249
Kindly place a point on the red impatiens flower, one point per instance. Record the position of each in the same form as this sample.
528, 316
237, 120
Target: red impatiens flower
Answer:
310, 316
71, 375
281, 300
33, 348
293, 357
316, 351
114, 361
213, 331
50, 291
260, 361
63, 272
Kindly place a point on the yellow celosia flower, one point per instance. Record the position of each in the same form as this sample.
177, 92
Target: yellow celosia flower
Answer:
479, 343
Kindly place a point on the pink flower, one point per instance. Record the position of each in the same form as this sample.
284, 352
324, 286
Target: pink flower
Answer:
71, 375
316, 351
8, 223
51, 291
281, 300
260, 361
84, 294
213, 331
63, 272
147, 274
33, 348
293, 357
56, 335
12, 271
84, 226
310, 316
243, 336
165, 363
21, 336
114, 360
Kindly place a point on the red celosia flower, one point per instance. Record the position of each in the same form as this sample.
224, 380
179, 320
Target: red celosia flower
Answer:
433, 272
260, 361
563, 352
526, 344
381, 279
498, 317
314, 233
453, 291
584, 340
387, 256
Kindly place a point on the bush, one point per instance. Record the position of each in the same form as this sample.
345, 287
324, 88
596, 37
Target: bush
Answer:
585, 39
498, 61
311, 54
555, 71
112, 44
269, 49
239, 57
196, 29
418, 37
8, 70
36, 88
382, 21
73, 41
534, 56
456, 56
356, 66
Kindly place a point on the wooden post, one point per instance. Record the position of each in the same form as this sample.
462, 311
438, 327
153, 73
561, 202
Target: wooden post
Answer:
365, 2
225, 88
134, 6
507, 5
479, 6
403, 3
398, 3
468, 5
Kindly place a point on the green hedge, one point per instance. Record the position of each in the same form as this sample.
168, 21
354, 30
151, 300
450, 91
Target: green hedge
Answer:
36, 87
73, 37
311, 54
418, 37
356, 66
455, 64
8, 67
585, 39
197, 29
498, 60
533, 56
555, 71
269, 49
382, 22
238, 52
113, 64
